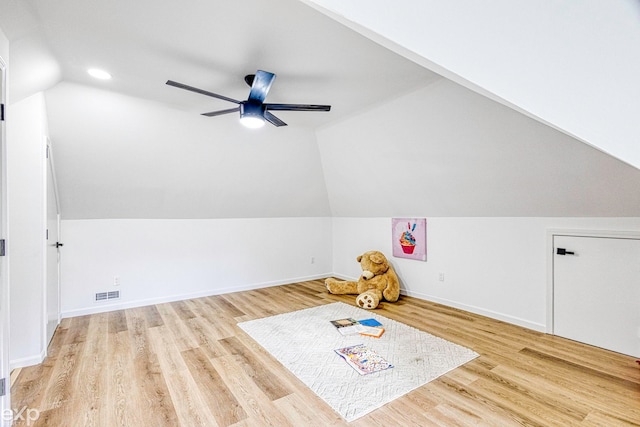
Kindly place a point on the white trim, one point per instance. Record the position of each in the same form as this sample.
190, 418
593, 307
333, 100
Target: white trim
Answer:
180, 297
551, 233
550, 258
43, 308
609, 234
27, 361
5, 368
477, 310
472, 309
49, 147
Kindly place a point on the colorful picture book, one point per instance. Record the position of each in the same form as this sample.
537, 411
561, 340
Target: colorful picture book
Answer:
363, 359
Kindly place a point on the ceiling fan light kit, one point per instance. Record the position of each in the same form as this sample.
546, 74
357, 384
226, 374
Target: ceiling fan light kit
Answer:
251, 115
254, 111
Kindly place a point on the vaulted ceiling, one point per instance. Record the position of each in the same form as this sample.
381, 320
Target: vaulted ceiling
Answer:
400, 139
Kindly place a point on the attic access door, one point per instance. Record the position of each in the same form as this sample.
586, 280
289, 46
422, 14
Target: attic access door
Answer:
596, 291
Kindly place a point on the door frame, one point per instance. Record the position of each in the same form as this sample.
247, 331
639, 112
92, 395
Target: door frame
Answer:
5, 401
551, 233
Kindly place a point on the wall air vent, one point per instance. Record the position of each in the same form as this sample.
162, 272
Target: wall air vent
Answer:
104, 296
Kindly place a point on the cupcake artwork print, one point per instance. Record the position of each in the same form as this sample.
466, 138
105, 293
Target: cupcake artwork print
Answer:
407, 241
409, 238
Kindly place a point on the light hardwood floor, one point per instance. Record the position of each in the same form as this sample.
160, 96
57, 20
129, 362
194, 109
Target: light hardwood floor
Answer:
188, 364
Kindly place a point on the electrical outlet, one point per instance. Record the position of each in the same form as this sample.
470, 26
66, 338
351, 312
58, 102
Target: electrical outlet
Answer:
441, 277
116, 280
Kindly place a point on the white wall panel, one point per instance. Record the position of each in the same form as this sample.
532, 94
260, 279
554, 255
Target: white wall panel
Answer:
492, 266
165, 260
26, 131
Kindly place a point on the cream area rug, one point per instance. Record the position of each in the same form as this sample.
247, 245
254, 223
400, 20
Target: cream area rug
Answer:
305, 341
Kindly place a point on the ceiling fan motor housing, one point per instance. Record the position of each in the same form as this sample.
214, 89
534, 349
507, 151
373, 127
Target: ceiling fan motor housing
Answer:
252, 109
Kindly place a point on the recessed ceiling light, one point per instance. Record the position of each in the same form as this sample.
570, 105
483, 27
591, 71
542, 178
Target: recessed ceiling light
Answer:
99, 74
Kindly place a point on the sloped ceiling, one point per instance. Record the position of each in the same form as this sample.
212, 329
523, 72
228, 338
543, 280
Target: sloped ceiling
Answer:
571, 65
123, 157
133, 147
445, 151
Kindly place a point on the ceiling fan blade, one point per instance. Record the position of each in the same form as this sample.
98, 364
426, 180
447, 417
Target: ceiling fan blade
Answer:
297, 107
201, 91
261, 84
221, 112
273, 119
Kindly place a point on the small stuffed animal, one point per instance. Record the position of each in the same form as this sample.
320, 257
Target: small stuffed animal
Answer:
378, 281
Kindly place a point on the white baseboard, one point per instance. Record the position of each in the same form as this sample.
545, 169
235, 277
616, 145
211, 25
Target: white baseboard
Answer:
477, 310
472, 309
103, 308
343, 277
179, 297
27, 361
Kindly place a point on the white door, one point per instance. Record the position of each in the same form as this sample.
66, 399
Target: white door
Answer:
53, 251
596, 291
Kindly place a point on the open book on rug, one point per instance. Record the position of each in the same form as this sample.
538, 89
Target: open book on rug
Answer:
363, 359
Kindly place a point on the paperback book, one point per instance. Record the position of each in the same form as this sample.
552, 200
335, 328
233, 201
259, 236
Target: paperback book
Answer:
369, 322
363, 359
347, 326
371, 331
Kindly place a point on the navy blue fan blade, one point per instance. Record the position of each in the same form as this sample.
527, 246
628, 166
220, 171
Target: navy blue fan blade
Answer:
221, 112
297, 107
261, 85
273, 119
201, 91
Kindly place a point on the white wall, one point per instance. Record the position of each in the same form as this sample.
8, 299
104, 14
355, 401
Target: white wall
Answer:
165, 260
492, 266
561, 61
26, 131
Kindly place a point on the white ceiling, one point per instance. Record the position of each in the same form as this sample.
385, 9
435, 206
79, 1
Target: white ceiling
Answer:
211, 45
400, 140
133, 147
572, 65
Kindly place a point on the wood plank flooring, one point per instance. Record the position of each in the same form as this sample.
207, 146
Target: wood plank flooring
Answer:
187, 364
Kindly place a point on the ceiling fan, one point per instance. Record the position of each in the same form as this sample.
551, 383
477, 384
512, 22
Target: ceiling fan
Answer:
254, 111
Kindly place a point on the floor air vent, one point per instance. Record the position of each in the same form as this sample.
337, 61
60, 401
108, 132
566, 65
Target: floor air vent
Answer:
104, 296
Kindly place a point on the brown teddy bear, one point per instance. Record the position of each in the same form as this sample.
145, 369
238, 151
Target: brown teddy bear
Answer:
378, 281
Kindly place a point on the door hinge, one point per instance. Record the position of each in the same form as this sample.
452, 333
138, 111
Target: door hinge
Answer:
2, 112
3, 390
3, 245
